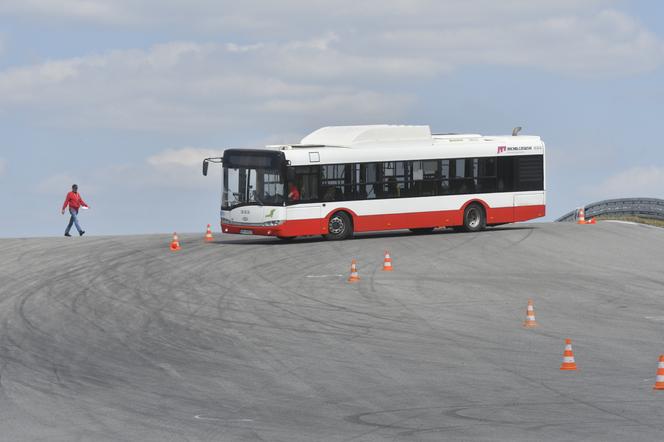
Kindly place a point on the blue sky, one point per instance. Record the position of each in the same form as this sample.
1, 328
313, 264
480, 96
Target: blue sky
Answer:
125, 97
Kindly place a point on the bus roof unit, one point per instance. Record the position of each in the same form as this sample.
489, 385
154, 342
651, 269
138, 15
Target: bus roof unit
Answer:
369, 136
385, 135
339, 144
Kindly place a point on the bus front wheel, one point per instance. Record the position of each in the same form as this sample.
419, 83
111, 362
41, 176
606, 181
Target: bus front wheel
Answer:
474, 219
339, 226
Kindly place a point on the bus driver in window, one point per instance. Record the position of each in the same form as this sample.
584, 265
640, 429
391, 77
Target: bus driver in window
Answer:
293, 192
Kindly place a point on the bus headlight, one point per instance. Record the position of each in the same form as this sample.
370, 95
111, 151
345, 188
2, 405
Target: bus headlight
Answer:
272, 223
225, 220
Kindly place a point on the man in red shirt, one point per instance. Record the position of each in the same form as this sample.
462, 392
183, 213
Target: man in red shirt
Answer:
293, 192
75, 202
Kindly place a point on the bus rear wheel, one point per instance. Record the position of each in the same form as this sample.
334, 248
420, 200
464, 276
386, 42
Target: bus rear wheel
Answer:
474, 219
339, 226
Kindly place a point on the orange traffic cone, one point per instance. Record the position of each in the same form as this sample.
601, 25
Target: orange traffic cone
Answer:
208, 234
581, 216
591, 221
568, 357
175, 244
659, 382
530, 316
354, 277
387, 262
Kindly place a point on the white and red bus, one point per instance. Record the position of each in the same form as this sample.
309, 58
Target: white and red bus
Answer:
345, 179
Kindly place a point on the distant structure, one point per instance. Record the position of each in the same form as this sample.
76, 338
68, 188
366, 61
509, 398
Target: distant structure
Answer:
643, 207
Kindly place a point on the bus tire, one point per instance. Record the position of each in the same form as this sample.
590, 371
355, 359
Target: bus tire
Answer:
474, 218
339, 226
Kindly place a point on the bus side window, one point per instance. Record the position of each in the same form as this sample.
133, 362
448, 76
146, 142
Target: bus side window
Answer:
445, 177
425, 178
458, 173
487, 175
369, 180
505, 174
397, 179
328, 193
529, 173
470, 174
334, 175
306, 179
357, 190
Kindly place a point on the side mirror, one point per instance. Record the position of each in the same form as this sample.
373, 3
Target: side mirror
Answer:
205, 167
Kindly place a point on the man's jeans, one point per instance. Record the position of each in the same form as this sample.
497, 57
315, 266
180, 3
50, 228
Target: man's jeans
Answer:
73, 220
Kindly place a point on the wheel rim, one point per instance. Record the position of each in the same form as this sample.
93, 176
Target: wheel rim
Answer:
336, 225
473, 218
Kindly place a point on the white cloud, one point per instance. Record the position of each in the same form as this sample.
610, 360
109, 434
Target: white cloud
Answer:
168, 169
185, 157
301, 63
559, 35
97, 10
184, 86
57, 184
261, 16
639, 181
179, 168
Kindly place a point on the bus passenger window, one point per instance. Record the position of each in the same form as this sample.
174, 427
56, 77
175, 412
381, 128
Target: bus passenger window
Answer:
328, 193
487, 175
391, 188
445, 187
306, 179
530, 173
369, 180
334, 175
462, 176
505, 174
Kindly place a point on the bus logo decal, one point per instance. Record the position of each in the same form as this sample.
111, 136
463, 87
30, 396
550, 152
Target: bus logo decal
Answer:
501, 149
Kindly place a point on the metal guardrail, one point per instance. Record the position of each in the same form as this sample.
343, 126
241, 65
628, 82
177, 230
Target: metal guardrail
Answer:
644, 207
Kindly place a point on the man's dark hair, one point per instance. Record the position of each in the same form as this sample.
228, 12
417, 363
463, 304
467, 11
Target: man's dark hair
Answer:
74, 186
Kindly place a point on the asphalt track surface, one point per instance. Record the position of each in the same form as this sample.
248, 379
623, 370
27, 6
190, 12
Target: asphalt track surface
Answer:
117, 338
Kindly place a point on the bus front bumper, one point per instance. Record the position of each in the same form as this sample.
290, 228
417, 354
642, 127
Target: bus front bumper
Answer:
286, 229
251, 230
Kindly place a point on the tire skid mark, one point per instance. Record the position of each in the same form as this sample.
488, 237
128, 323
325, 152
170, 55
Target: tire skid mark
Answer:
456, 412
171, 308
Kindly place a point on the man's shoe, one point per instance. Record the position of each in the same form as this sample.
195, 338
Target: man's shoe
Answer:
67, 234
82, 232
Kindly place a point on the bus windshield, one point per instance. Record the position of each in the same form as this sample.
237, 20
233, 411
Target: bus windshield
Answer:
245, 186
252, 177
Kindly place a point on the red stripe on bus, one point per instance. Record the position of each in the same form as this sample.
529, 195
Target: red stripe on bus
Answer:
394, 221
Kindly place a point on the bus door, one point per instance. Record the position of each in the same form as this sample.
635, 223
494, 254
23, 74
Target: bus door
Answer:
306, 212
